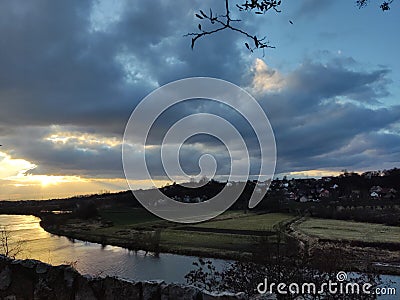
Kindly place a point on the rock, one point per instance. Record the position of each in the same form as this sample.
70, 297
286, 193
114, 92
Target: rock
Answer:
28, 263
180, 292
69, 276
83, 289
5, 278
62, 281
42, 290
264, 297
116, 288
151, 290
223, 296
42, 268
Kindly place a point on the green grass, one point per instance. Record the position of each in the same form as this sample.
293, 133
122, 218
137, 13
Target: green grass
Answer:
128, 216
127, 222
199, 240
135, 217
348, 230
264, 222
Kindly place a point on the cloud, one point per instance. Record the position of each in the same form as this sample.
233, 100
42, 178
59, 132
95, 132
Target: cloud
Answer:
266, 79
73, 72
57, 70
311, 8
62, 151
326, 107
336, 79
13, 167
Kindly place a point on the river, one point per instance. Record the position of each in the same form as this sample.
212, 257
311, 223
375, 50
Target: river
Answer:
91, 258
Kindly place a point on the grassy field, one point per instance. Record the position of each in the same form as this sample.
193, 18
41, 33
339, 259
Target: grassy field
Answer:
263, 222
231, 234
348, 230
135, 216
216, 242
128, 216
133, 225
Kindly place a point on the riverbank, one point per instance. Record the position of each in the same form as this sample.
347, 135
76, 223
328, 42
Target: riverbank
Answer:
233, 236
158, 236
134, 246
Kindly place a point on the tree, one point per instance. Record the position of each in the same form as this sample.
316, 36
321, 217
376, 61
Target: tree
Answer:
9, 247
385, 5
87, 210
258, 7
280, 265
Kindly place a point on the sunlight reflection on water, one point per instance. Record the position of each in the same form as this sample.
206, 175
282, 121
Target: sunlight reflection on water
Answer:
93, 258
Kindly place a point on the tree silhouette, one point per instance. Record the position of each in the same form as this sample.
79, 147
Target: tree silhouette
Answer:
385, 5
8, 246
258, 7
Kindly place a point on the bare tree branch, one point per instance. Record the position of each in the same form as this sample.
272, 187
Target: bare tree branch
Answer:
385, 5
225, 22
259, 7
9, 247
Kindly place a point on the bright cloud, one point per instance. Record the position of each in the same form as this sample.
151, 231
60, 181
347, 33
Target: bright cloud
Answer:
84, 140
10, 167
314, 173
266, 79
16, 172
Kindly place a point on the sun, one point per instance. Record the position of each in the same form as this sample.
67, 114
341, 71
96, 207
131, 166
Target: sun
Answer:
48, 180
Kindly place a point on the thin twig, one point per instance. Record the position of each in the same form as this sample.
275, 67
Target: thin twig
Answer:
225, 23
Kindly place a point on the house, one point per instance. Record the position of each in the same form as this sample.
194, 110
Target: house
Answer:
355, 194
388, 193
326, 178
374, 195
196, 200
303, 199
291, 196
261, 184
376, 189
160, 202
323, 193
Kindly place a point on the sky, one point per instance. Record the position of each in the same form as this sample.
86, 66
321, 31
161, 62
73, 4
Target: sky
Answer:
72, 72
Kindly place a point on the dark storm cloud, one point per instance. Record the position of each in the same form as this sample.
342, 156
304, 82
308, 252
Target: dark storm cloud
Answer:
311, 8
322, 109
335, 79
53, 70
366, 151
56, 69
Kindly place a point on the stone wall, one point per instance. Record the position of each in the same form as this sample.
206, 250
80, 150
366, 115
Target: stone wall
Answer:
32, 279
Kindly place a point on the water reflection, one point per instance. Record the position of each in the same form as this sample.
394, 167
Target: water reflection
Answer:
90, 258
